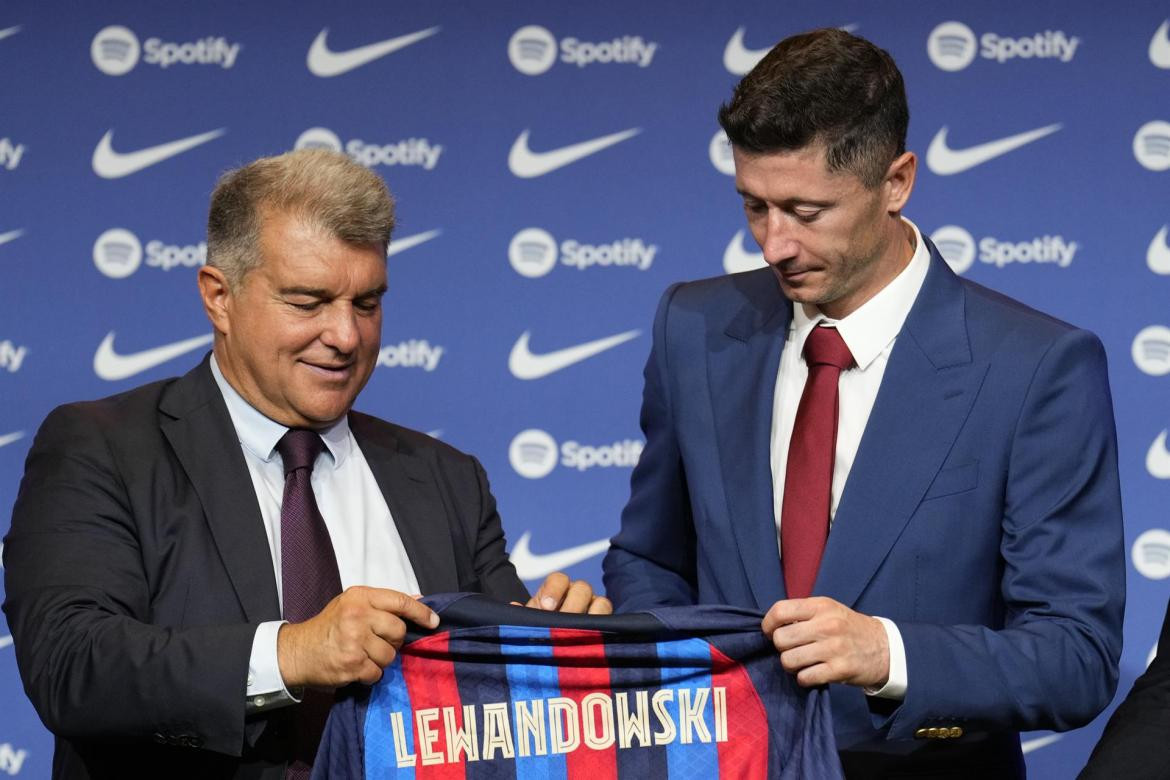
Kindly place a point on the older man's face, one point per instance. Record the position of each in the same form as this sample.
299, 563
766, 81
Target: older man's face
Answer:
303, 330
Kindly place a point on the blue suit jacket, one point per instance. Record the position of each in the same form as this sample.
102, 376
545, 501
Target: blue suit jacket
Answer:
982, 513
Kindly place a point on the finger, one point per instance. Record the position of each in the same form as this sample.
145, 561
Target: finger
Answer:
551, 592
790, 611
578, 599
386, 628
379, 651
402, 605
812, 676
802, 657
792, 635
601, 606
370, 673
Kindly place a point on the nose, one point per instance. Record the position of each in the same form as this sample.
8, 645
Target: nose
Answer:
777, 241
341, 327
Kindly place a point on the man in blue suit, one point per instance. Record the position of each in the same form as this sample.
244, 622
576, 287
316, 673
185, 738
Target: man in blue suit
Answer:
959, 445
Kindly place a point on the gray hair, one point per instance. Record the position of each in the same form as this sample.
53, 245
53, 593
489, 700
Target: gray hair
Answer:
326, 189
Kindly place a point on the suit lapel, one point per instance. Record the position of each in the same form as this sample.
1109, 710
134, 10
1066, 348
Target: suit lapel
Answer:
926, 394
421, 515
196, 423
742, 361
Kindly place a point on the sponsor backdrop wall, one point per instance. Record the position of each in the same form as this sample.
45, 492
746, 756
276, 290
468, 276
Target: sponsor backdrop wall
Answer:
557, 166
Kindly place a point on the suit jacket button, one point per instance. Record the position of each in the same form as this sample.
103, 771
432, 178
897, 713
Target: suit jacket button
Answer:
932, 733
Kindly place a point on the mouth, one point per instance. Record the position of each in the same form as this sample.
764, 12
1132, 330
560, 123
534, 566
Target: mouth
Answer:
335, 372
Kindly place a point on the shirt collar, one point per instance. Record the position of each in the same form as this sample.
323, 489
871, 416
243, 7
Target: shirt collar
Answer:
259, 434
872, 326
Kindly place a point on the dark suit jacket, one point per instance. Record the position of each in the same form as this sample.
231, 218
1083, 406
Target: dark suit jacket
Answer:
137, 570
982, 513
1136, 742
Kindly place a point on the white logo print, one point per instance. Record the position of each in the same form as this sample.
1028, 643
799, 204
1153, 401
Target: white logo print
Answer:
1158, 255
1153, 654
409, 151
956, 245
1151, 145
110, 164
10, 153
532, 252
11, 235
736, 258
1160, 46
945, 161
951, 46
325, 63
415, 353
117, 253
533, 566
533, 453
1151, 350
1151, 554
1158, 458
532, 50
737, 58
410, 242
111, 366
527, 164
115, 50
11, 759
8, 438
318, 138
11, 356
9, 32
719, 151
525, 365
1027, 746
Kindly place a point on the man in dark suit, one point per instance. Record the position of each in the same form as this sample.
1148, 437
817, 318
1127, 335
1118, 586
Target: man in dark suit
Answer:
960, 445
1136, 742
159, 535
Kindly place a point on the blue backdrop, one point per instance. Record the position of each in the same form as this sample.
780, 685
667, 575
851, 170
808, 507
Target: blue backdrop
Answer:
557, 165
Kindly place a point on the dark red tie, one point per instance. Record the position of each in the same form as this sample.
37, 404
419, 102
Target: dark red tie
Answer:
808, 479
308, 575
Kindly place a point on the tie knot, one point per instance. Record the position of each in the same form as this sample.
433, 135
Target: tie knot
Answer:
299, 448
825, 347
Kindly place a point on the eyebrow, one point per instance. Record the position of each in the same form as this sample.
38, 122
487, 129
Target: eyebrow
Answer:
319, 292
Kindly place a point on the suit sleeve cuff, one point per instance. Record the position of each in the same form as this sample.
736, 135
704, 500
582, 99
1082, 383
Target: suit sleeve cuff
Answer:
266, 689
895, 687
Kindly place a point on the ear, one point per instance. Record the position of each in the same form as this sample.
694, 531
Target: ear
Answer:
899, 181
217, 297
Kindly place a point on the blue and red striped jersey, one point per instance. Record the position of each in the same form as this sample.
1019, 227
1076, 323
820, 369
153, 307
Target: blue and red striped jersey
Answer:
499, 691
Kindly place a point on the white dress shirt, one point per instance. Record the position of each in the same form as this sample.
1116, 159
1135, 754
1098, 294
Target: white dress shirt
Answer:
870, 332
366, 542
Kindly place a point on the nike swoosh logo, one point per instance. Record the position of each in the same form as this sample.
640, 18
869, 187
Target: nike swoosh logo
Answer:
5, 641
527, 164
531, 566
325, 63
1035, 744
11, 235
945, 161
1160, 46
114, 165
1158, 255
737, 58
1158, 458
410, 242
111, 366
8, 438
525, 365
736, 258
9, 32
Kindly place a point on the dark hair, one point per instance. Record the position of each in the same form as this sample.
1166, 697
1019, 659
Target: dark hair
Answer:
828, 87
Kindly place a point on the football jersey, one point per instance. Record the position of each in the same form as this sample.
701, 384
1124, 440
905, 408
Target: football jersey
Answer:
499, 691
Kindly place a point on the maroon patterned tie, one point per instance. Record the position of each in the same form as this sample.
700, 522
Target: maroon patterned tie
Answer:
808, 478
308, 575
